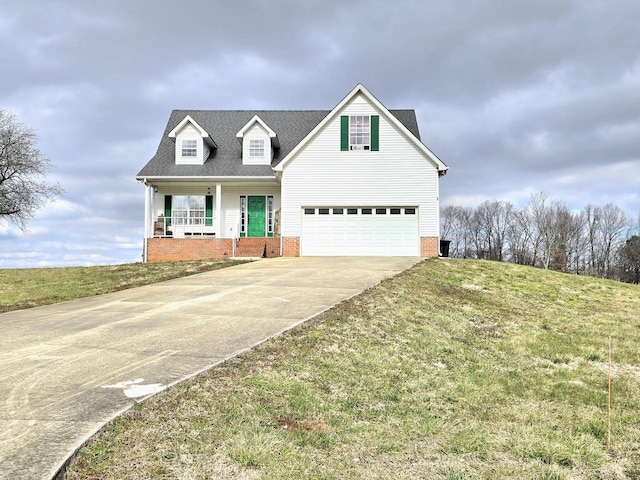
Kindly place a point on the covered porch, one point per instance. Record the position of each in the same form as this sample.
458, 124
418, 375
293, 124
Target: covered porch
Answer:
188, 220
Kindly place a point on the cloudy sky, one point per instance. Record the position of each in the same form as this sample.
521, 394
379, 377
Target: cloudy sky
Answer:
516, 97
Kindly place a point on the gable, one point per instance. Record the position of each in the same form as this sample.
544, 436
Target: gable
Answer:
361, 103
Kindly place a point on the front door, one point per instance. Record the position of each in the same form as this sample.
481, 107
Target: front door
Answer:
256, 207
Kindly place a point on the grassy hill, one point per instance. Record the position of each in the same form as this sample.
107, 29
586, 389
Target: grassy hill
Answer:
31, 287
454, 369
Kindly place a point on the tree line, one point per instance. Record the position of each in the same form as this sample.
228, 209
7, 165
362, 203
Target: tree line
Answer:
601, 241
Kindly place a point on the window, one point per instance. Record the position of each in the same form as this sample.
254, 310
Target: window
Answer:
409, 211
323, 211
359, 132
243, 216
352, 211
309, 211
189, 148
395, 211
338, 211
256, 148
366, 211
270, 215
381, 211
188, 210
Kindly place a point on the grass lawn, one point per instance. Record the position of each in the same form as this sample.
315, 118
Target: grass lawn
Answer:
30, 287
454, 369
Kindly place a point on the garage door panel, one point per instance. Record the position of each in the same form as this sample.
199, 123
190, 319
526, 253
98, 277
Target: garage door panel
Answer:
375, 234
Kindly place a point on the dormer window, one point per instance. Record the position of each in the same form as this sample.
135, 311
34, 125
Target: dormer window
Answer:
189, 148
193, 143
256, 148
258, 142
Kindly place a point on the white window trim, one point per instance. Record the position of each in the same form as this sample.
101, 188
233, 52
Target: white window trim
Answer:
189, 148
193, 216
256, 148
359, 132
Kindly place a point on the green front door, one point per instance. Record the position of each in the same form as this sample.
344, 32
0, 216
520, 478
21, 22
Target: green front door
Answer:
256, 207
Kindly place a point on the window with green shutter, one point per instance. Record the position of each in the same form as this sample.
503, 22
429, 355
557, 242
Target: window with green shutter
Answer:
360, 132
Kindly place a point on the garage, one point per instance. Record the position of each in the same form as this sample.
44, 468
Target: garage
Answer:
360, 231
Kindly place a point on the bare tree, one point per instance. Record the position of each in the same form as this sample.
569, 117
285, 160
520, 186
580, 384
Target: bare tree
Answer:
522, 238
542, 215
23, 168
614, 224
546, 233
455, 227
492, 221
629, 255
592, 220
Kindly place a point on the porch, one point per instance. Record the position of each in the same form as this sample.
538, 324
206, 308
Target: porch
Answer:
189, 221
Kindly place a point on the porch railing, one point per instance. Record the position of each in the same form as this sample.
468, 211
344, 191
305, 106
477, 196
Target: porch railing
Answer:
180, 226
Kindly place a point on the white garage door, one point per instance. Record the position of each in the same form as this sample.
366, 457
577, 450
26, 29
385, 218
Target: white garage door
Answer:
362, 231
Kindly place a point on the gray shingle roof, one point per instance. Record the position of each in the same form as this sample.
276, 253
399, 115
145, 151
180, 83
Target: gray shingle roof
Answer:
291, 127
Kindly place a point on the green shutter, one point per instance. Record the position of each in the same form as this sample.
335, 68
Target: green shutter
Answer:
208, 212
375, 133
344, 133
167, 209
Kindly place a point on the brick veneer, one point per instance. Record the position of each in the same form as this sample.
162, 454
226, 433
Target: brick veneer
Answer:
429, 247
290, 246
176, 249
258, 246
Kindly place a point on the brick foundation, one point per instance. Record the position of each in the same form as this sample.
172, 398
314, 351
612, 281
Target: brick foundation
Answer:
177, 249
208, 248
429, 247
268, 247
290, 246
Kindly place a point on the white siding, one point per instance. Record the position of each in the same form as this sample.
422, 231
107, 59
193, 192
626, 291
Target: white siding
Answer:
189, 132
256, 133
397, 175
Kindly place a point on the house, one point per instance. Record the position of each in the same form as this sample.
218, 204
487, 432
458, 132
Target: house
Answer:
354, 180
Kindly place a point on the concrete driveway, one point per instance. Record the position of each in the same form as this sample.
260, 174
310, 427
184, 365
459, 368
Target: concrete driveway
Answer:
67, 369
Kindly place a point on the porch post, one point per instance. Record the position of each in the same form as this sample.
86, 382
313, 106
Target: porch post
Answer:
218, 228
148, 219
148, 207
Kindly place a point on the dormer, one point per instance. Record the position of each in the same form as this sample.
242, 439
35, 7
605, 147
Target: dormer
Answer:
193, 143
258, 142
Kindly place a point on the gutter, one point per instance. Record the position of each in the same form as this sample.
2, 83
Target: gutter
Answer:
200, 177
